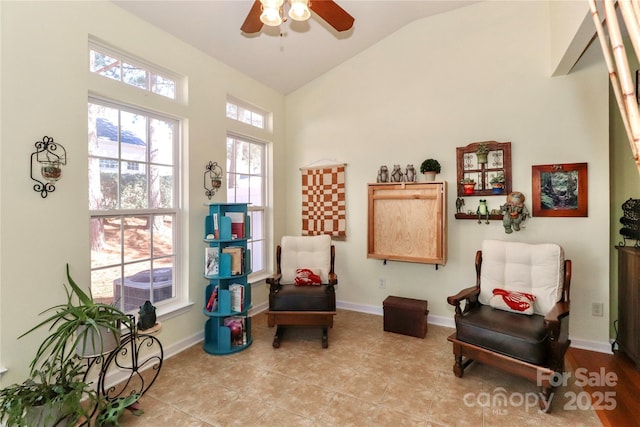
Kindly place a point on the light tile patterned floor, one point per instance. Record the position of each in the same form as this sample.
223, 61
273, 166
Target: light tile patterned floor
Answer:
367, 377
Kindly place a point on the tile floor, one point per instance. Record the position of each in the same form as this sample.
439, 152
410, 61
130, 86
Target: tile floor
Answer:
367, 377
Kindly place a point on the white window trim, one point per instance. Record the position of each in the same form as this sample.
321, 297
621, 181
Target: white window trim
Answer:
181, 301
267, 117
180, 92
265, 208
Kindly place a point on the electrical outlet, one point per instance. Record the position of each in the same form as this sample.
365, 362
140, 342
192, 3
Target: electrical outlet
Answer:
597, 309
382, 283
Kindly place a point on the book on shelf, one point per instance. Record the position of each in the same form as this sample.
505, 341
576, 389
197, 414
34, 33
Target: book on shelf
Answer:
237, 224
237, 259
216, 227
212, 304
238, 328
236, 292
211, 261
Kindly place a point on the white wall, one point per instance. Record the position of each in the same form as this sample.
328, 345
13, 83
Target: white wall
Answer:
478, 73
45, 84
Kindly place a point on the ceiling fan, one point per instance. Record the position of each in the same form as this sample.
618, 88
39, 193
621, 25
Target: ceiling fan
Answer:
270, 12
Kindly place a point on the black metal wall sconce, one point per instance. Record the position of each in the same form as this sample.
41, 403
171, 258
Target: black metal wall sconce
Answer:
49, 157
212, 179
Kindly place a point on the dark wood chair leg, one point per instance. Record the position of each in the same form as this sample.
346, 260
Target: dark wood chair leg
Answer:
458, 366
546, 397
325, 337
278, 336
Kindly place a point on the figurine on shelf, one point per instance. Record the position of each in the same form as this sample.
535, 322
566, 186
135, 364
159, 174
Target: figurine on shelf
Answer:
410, 174
514, 212
459, 204
483, 211
383, 174
147, 317
396, 174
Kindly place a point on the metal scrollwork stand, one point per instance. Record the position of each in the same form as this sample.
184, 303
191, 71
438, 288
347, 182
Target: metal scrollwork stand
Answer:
138, 358
630, 222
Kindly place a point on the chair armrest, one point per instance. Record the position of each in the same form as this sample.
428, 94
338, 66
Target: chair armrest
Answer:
557, 312
469, 294
556, 321
333, 279
274, 282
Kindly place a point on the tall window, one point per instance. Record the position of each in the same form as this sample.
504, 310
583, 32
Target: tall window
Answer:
133, 182
246, 178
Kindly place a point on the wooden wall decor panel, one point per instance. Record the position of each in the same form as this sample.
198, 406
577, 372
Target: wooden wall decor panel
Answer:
407, 222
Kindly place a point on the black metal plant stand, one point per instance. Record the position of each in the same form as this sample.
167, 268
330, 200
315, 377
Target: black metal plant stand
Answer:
138, 358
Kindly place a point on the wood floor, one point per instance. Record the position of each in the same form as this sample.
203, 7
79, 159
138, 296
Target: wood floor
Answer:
624, 395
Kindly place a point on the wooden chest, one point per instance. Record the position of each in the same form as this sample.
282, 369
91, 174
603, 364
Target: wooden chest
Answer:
407, 316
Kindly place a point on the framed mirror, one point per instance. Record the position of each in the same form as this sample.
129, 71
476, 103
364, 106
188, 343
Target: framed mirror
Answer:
484, 169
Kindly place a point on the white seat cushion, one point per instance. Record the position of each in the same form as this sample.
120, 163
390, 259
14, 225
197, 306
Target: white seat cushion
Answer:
536, 269
312, 252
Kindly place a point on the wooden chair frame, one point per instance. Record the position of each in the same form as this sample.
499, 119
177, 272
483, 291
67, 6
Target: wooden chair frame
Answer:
556, 323
306, 318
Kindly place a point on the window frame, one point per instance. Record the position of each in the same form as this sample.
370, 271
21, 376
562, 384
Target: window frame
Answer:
180, 292
265, 115
263, 209
123, 57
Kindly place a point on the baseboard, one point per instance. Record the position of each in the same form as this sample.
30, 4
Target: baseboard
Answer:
257, 309
600, 347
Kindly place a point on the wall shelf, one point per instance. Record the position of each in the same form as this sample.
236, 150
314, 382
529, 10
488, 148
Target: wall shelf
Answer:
475, 216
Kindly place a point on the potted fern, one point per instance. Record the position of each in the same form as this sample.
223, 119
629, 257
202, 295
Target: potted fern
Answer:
430, 168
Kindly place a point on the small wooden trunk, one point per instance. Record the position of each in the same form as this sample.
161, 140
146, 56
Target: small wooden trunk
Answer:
407, 316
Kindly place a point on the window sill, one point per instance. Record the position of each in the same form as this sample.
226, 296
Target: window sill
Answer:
168, 311
259, 279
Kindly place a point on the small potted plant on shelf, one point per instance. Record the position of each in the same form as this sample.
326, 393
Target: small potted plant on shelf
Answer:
497, 183
430, 168
482, 152
468, 185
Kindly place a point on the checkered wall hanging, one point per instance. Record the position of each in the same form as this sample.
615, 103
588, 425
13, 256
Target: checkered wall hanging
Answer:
323, 201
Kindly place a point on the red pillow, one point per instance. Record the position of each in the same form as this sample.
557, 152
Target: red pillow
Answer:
306, 277
518, 302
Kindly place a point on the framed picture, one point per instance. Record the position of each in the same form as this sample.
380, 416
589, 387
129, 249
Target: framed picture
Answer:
560, 190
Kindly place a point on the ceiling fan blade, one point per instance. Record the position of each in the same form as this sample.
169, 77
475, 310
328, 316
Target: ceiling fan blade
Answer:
252, 23
335, 16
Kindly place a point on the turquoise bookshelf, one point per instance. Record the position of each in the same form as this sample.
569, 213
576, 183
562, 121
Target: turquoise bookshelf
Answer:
227, 228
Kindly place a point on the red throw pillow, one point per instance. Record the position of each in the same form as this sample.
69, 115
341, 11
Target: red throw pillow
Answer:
306, 277
518, 302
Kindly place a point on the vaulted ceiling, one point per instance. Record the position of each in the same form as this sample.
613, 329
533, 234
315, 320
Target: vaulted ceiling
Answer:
286, 57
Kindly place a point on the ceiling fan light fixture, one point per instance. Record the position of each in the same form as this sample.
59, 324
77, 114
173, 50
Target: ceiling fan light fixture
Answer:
299, 10
271, 12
